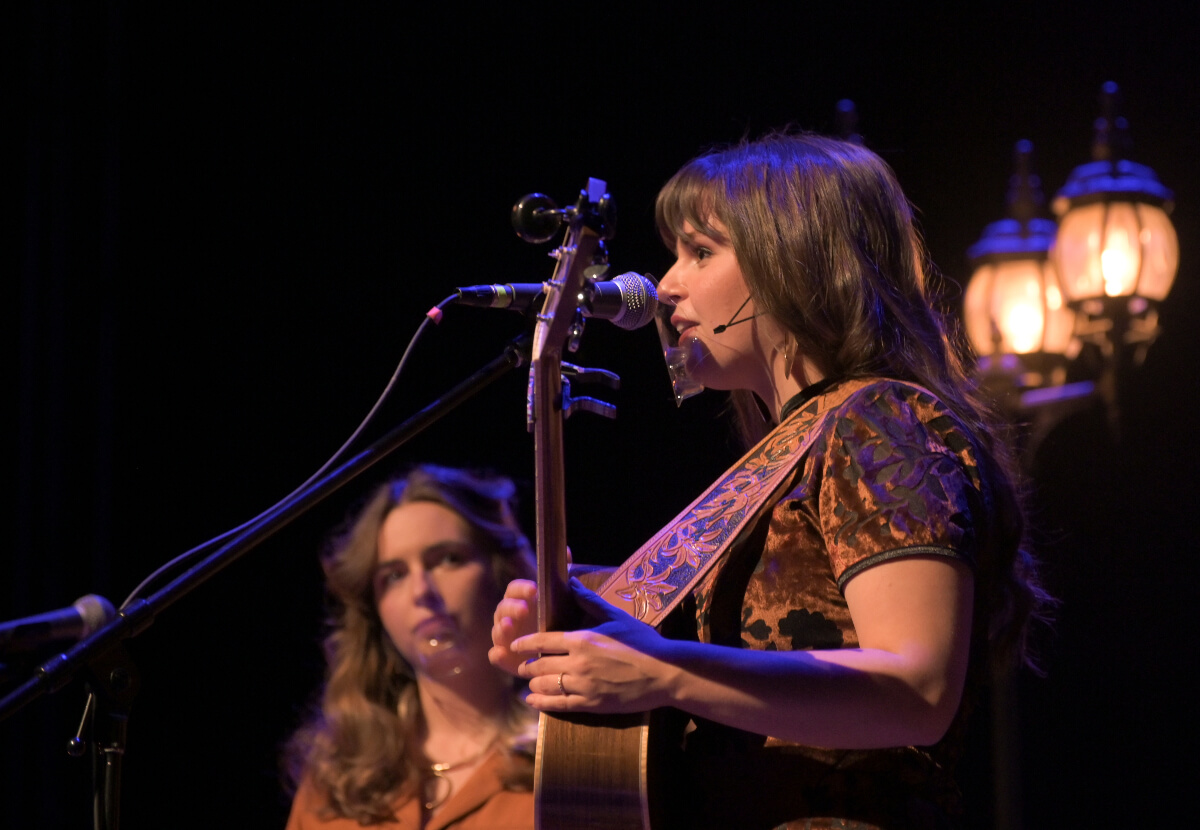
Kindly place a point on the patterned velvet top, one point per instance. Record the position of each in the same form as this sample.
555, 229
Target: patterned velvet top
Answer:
893, 475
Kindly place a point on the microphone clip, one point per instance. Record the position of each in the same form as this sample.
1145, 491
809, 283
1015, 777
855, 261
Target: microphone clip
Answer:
595, 406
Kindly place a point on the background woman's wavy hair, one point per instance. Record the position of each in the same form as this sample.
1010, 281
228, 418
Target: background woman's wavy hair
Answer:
358, 748
828, 245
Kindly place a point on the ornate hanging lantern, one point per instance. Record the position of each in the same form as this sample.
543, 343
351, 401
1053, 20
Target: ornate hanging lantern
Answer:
1016, 318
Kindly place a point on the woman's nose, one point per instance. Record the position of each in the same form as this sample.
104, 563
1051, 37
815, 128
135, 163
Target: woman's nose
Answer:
670, 288
423, 587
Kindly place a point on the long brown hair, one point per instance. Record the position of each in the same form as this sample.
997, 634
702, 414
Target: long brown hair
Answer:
828, 245
358, 747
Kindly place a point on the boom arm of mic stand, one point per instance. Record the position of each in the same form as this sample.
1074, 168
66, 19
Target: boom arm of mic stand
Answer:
61, 669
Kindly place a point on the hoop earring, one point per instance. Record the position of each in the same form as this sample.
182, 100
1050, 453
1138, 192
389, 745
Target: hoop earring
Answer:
787, 357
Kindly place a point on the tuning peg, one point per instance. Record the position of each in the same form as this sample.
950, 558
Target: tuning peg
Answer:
606, 210
536, 218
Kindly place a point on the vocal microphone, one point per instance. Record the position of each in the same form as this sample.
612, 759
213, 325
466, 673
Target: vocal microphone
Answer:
628, 301
72, 624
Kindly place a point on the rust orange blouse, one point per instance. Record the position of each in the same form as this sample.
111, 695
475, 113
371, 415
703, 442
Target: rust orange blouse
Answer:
482, 804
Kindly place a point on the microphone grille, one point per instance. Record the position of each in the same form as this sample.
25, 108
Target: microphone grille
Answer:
639, 301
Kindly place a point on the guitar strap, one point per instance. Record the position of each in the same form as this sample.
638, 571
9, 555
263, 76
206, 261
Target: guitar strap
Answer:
655, 579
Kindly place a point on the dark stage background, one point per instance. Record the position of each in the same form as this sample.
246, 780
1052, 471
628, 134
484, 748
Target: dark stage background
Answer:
233, 216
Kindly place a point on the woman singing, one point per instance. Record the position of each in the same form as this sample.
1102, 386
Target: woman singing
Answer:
840, 646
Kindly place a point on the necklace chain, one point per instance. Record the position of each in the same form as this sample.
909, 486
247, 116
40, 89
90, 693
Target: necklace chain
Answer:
443, 767
436, 798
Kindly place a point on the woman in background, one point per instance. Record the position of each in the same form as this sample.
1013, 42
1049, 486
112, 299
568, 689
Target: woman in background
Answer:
415, 728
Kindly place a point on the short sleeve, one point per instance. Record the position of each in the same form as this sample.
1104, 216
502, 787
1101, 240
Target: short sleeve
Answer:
899, 478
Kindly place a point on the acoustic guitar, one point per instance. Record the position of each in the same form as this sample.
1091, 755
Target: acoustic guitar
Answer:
590, 771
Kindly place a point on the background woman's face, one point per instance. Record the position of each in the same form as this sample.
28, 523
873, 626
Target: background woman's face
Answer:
434, 588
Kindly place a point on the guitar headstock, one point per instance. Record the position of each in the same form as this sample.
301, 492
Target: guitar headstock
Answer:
589, 221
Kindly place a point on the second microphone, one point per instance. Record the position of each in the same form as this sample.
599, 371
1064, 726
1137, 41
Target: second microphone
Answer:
628, 301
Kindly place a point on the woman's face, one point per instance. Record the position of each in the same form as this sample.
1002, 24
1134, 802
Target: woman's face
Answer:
708, 290
434, 590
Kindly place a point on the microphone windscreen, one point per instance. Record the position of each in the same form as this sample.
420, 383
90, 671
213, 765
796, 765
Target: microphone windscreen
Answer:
96, 611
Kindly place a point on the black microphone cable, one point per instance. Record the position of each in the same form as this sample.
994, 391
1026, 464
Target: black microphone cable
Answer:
434, 316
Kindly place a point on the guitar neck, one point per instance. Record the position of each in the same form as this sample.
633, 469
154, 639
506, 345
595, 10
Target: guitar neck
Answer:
550, 482
554, 326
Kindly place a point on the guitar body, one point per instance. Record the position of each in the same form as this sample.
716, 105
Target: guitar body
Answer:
610, 772
607, 772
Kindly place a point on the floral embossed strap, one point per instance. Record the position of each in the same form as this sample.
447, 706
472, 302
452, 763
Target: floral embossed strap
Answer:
664, 570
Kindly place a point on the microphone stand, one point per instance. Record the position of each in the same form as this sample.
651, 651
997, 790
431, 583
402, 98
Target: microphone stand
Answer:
113, 679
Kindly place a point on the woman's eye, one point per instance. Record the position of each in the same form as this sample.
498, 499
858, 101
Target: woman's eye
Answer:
703, 253
385, 579
451, 558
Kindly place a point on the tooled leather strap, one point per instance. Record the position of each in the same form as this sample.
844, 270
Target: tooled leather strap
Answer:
663, 571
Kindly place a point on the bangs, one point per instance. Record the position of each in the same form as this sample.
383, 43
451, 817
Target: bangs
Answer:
689, 196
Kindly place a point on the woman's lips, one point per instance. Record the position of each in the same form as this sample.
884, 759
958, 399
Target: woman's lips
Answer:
683, 327
435, 627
